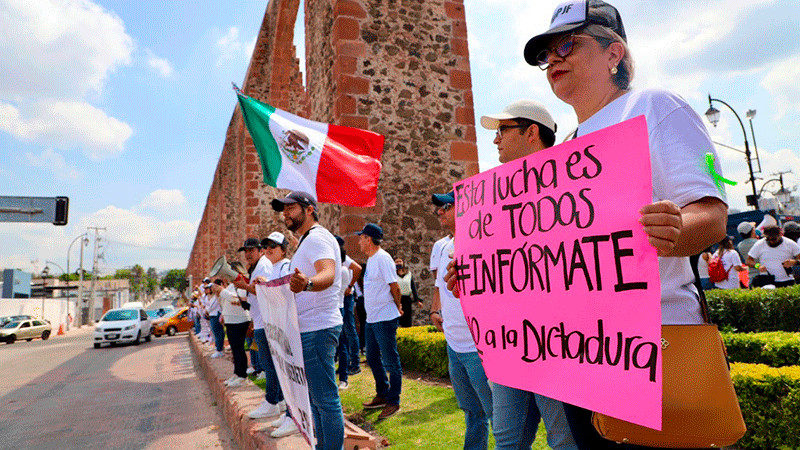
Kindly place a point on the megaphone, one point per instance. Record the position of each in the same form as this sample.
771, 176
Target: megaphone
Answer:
222, 268
767, 221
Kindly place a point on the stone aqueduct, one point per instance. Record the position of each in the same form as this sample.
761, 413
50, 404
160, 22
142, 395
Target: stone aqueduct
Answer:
397, 67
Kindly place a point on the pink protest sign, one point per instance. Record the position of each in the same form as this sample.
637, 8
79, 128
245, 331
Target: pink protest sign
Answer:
558, 282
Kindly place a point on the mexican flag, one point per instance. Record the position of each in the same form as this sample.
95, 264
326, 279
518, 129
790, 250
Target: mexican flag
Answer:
336, 164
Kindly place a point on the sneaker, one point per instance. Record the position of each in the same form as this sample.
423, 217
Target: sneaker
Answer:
354, 370
231, 378
261, 376
237, 382
277, 422
388, 411
251, 371
217, 355
287, 428
343, 385
377, 402
265, 409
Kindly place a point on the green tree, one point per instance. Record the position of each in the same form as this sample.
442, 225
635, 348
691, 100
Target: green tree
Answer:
175, 279
150, 281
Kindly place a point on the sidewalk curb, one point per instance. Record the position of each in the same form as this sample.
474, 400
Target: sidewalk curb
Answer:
237, 402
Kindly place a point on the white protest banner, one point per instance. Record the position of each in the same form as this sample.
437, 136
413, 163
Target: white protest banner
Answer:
279, 311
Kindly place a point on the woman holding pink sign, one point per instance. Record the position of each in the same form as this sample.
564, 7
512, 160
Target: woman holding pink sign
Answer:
587, 62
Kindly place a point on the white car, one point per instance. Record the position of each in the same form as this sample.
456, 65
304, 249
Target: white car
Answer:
122, 325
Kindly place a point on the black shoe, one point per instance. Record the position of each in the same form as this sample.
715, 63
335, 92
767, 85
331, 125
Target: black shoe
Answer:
354, 370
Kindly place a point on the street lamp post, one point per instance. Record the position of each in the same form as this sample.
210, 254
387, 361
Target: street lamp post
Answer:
84, 242
45, 272
63, 273
713, 116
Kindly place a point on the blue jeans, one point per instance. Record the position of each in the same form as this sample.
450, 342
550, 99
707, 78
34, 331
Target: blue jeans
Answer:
349, 329
272, 389
343, 351
319, 348
218, 331
474, 396
196, 327
516, 419
255, 360
382, 356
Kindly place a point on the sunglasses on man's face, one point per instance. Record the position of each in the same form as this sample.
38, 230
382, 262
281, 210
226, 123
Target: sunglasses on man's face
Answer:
271, 244
445, 207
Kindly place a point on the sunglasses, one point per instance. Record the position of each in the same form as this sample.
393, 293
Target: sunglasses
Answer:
444, 207
502, 128
271, 244
562, 49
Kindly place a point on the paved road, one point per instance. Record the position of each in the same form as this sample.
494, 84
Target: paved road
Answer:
63, 393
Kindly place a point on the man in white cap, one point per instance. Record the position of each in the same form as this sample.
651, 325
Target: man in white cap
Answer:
522, 128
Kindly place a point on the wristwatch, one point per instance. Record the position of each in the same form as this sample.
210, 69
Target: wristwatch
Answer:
309, 285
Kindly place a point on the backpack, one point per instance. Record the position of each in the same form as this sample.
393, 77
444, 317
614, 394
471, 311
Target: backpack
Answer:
716, 270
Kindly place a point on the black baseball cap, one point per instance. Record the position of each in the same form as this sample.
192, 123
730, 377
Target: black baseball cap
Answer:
250, 243
570, 16
372, 230
443, 199
304, 198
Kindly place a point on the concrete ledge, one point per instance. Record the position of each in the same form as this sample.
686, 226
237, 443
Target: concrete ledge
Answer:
237, 402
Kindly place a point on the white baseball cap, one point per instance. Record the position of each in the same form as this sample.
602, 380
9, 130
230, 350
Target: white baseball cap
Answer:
521, 109
276, 237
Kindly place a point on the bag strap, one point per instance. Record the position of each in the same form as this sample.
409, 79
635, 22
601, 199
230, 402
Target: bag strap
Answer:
701, 294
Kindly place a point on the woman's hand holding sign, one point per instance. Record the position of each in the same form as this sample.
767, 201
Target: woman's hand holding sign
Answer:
663, 223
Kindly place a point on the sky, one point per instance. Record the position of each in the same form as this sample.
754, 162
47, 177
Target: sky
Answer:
123, 105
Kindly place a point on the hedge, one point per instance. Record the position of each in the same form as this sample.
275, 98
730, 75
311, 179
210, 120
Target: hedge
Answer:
773, 348
769, 396
755, 310
423, 349
770, 402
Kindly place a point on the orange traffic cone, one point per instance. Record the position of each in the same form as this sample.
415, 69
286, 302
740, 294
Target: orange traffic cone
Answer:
60, 329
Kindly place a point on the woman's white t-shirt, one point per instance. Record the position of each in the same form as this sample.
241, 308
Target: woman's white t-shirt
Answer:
679, 142
729, 259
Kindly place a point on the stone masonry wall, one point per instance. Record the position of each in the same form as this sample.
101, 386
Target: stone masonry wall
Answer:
396, 67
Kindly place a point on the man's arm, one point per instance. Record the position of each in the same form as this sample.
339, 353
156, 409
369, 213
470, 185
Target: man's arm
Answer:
356, 269
436, 308
395, 288
323, 279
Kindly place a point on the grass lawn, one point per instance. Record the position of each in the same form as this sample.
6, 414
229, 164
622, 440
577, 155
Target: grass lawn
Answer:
429, 416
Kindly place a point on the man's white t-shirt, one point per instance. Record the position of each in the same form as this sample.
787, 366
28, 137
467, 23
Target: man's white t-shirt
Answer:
679, 142
280, 269
263, 269
320, 309
378, 299
773, 257
211, 303
729, 259
436, 250
347, 276
456, 331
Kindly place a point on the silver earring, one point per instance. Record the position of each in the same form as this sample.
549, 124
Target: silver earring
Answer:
613, 70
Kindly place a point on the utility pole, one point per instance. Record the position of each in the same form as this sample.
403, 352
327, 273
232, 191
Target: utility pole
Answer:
94, 272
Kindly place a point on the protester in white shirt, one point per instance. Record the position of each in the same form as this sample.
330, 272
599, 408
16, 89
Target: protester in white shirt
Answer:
382, 302
774, 254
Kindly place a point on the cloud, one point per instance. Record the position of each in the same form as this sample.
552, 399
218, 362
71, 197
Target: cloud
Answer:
163, 201
230, 48
161, 66
54, 163
783, 84
53, 49
67, 124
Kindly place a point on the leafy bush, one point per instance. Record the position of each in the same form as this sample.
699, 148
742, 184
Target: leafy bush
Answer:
770, 402
423, 349
773, 348
755, 310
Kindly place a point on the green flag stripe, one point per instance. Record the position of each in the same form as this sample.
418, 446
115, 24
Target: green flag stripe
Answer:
256, 118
